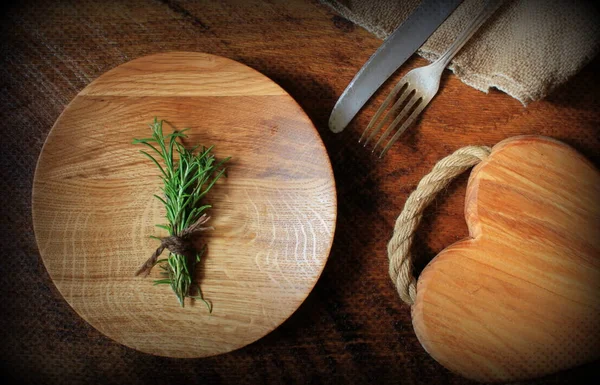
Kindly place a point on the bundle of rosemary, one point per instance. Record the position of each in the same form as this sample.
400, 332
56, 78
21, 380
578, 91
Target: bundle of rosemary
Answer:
188, 175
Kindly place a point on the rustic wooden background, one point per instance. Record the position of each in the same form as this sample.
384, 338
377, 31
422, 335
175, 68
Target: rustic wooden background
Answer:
353, 327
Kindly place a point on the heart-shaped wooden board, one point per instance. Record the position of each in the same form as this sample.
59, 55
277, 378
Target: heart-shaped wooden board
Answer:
94, 210
520, 298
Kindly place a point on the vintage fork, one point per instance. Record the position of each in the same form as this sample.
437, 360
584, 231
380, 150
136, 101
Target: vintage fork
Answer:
419, 86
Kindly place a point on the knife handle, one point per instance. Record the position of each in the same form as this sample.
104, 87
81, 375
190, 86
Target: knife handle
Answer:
488, 9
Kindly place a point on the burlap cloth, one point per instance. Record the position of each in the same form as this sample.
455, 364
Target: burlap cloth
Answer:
526, 49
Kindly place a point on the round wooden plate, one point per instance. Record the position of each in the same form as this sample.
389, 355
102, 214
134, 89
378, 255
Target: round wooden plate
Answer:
94, 210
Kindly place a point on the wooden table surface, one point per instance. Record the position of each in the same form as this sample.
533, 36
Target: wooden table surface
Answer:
352, 328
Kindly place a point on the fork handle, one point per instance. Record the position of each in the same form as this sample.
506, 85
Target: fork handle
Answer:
488, 9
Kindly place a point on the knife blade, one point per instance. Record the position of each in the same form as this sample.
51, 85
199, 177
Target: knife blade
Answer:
394, 51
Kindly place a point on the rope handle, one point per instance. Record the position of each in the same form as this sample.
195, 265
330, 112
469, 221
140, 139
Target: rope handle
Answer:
400, 258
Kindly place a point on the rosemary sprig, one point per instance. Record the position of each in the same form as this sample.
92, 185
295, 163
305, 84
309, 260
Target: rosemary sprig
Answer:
187, 175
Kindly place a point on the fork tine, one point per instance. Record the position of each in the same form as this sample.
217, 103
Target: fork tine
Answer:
406, 95
404, 126
386, 102
409, 104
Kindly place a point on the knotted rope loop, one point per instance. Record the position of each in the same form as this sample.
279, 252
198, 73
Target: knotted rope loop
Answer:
181, 244
400, 258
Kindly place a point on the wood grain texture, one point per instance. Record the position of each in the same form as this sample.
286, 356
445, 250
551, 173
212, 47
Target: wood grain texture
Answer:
352, 328
274, 216
519, 298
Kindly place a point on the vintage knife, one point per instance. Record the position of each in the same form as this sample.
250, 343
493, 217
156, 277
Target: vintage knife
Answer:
394, 51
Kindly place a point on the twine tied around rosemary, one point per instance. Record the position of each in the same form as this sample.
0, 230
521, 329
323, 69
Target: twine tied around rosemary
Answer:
181, 244
401, 267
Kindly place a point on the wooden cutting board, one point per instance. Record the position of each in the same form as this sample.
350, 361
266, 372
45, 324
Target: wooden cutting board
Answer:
521, 297
274, 216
